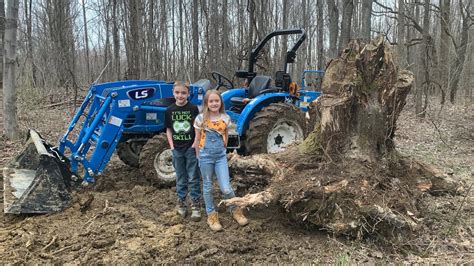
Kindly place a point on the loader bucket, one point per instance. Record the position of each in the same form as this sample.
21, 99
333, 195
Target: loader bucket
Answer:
37, 180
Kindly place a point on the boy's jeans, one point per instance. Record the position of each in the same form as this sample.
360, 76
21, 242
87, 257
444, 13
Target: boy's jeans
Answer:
187, 174
213, 159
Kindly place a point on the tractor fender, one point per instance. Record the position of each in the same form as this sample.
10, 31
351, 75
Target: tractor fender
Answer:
227, 95
256, 105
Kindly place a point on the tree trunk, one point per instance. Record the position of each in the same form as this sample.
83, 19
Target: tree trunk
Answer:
401, 43
9, 89
86, 42
366, 19
116, 41
133, 40
419, 70
2, 45
460, 49
426, 58
333, 14
346, 23
29, 40
284, 39
443, 65
469, 74
61, 31
182, 69
320, 41
195, 29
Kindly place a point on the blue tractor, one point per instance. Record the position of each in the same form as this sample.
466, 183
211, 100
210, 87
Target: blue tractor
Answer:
128, 116
269, 114
117, 115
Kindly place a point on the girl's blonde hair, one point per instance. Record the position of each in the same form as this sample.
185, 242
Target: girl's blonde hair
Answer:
205, 112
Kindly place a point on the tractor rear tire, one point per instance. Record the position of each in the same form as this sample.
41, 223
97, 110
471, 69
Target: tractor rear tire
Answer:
156, 162
129, 152
274, 128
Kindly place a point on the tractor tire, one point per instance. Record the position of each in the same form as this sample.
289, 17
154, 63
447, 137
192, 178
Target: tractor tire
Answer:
129, 152
156, 162
274, 128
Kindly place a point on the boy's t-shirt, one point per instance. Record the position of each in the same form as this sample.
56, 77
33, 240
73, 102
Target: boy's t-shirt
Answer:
180, 120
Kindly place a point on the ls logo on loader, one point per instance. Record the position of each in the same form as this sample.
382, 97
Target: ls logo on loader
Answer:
140, 94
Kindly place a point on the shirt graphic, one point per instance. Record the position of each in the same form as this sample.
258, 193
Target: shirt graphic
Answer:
181, 121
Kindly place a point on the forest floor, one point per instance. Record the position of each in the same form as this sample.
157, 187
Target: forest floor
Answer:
129, 221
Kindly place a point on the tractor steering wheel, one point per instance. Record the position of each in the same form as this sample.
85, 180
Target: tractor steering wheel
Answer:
222, 81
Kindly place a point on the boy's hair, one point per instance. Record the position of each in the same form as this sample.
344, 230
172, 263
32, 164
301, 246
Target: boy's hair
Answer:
179, 83
205, 109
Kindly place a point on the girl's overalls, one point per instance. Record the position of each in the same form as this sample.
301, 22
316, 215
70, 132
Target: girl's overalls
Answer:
213, 159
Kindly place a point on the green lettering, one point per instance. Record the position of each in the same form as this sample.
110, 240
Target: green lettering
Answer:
181, 116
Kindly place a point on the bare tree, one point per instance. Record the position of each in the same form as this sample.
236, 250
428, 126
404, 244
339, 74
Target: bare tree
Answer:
425, 52
86, 41
116, 40
29, 39
320, 32
158, 38
2, 40
347, 10
366, 19
401, 43
469, 74
9, 89
195, 34
443, 69
333, 14
62, 36
460, 49
132, 41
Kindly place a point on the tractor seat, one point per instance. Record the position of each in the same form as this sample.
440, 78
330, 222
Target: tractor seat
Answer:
258, 84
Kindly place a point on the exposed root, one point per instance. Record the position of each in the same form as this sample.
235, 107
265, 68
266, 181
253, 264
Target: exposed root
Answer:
260, 198
336, 186
260, 164
386, 215
435, 181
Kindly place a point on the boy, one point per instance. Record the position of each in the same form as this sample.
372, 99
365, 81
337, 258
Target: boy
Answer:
179, 120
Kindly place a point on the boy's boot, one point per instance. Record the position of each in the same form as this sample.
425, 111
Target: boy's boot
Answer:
238, 215
213, 221
181, 208
196, 211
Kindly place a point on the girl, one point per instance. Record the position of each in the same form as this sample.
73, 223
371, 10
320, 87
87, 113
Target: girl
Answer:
211, 140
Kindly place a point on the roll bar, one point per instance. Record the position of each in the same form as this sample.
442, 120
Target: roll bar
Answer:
290, 55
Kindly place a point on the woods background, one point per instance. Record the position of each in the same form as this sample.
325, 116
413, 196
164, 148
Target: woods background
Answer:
62, 46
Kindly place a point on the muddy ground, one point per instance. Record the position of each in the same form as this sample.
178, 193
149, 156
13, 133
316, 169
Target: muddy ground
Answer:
129, 221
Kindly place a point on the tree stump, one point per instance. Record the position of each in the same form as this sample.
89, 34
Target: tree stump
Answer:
346, 176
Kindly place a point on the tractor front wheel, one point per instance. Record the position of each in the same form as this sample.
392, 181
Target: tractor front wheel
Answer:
156, 161
274, 128
129, 151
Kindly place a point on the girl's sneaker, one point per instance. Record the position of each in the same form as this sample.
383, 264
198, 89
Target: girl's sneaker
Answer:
213, 221
239, 216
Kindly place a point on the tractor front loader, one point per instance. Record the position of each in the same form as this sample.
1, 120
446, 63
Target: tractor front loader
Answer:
39, 180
